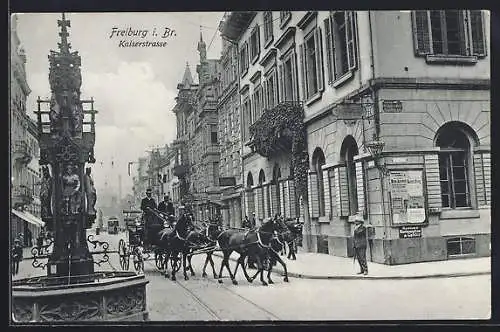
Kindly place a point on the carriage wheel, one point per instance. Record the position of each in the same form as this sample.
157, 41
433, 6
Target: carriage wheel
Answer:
124, 255
175, 263
159, 260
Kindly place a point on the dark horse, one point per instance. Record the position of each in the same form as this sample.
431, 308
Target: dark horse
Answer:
247, 243
172, 242
205, 241
291, 237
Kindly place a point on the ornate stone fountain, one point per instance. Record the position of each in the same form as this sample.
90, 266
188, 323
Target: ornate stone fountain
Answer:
71, 290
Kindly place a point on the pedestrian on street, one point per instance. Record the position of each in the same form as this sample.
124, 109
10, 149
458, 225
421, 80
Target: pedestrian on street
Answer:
148, 217
360, 244
17, 256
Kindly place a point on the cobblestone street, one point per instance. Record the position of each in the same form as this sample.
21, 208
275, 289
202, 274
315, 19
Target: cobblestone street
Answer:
303, 299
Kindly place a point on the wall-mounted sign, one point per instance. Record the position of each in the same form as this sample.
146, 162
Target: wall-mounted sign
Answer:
407, 197
409, 232
392, 106
227, 181
399, 160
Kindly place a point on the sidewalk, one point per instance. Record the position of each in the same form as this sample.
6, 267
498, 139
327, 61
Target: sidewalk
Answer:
323, 266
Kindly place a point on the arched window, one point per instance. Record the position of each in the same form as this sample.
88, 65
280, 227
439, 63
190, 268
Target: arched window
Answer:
348, 150
455, 141
249, 180
276, 178
318, 161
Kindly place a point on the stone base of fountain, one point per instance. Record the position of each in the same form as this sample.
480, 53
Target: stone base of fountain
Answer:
111, 296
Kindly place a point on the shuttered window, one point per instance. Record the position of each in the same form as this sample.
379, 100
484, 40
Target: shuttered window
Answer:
340, 34
433, 184
312, 64
260, 201
449, 32
292, 199
255, 43
332, 192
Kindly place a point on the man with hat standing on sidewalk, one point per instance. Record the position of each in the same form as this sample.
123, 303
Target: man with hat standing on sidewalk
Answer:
17, 256
360, 244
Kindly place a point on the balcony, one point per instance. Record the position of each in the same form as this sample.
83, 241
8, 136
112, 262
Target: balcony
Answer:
21, 196
280, 129
180, 170
21, 152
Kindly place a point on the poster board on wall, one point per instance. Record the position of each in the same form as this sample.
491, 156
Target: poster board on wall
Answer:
407, 197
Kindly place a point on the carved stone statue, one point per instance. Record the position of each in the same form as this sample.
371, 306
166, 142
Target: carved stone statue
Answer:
71, 190
91, 194
77, 114
46, 196
55, 113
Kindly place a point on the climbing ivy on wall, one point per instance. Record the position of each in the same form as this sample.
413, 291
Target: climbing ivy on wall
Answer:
284, 121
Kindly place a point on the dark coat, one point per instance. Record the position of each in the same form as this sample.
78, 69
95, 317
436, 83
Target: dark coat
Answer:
170, 208
17, 252
359, 237
162, 207
148, 202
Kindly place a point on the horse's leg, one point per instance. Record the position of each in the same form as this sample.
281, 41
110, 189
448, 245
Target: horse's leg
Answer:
204, 274
238, 262
190, 265
227, 254
184, 265
249, 279
294, 250
212, 264
222, 267
165, 262
174, 255
284, 266
260, 267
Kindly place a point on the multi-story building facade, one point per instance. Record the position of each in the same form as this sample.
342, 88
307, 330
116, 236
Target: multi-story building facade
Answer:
197, 137
396, 110
24, 168
228, 108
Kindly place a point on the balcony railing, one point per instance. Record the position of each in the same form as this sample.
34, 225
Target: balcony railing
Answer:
21, 152
21, 196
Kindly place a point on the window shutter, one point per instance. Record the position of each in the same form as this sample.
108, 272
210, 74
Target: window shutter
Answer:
326, 189
360, 186
421, 33
284, 198
342, 192
350, 25
432, 178
258, 40
292, 200
318, 44
250, 203
274, 199
281, 83
479, 179
260, 208
266, 102
267, 202
329, 49
247, 59
332, 192
477, 33
303, 71
313, 197
295, 92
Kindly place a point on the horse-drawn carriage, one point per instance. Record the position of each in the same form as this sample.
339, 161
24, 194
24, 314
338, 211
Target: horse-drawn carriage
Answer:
137, 244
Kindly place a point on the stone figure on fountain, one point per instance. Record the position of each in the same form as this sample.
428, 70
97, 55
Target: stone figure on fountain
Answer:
55, 113
71, 190
91, 195
77, 114
46, 197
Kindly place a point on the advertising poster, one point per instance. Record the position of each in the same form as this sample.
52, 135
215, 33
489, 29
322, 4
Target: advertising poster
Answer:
407, 197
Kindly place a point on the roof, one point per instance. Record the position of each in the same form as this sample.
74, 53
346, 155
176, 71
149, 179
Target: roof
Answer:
187, 79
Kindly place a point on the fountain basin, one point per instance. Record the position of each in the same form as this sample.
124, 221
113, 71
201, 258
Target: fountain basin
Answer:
110, 296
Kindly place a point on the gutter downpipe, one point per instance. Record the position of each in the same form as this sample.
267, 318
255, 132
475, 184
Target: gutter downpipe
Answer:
377, 126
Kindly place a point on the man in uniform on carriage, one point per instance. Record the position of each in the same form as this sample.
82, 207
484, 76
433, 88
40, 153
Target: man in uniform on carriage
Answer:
148, 218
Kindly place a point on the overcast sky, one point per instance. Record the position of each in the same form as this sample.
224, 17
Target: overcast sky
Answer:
133, 87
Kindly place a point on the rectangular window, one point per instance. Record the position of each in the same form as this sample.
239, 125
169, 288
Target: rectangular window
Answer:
288, 70
257, 103
449, 32
213, 134
312, 64
454, 179
255, 43
340, 29
247, 118
271, 89
284, 17
244, 58
268, 26
461, 246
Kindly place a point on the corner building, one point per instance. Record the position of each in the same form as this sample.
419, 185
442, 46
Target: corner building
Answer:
416, 83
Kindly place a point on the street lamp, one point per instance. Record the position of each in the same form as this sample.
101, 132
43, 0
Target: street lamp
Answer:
376, 147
